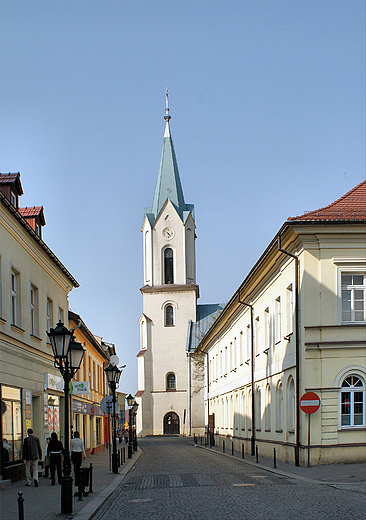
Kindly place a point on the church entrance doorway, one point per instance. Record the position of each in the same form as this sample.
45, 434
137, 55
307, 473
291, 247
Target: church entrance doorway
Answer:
171, 424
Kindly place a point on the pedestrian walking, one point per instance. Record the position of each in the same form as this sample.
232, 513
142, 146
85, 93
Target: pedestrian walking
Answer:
32, 452
77, 451
47, 459
55, 450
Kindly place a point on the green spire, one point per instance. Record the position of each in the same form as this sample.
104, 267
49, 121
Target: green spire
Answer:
168, 185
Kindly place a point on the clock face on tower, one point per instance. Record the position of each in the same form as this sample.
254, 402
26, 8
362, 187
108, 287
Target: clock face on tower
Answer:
168, 233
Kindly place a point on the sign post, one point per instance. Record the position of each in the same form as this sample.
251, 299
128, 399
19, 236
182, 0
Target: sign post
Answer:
309, 403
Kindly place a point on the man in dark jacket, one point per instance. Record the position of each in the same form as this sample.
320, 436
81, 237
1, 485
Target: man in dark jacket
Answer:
31, 454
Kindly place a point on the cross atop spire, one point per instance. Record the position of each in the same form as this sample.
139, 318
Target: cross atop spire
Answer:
167, 116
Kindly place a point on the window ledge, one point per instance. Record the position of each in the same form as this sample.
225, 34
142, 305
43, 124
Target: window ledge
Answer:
2, 321
277, 342
352, 428
171, 389
291, 432
287, 337
267, 430
15, 328
279, 431
33, 336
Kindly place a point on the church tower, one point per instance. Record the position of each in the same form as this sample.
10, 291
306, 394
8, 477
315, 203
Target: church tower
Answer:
169, 303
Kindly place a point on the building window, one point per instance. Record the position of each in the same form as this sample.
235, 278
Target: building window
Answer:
249, 344
61, 315
256, 331
258, 414
49, 314
169, 316
352, 402
34, 311
279, 408
168, 266
267, 412
15, 297
11, 423
353, 298
267, 330
291, 406
14, 199
278, 319
289, 310
170, 382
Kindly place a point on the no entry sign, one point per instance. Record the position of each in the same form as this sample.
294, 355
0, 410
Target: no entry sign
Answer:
309, 402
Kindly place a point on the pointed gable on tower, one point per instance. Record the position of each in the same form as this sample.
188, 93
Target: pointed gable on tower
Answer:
168, 184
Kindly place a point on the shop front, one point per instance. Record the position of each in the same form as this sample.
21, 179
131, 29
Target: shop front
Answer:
88, 421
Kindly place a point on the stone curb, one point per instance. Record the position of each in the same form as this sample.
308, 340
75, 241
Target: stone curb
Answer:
88, 512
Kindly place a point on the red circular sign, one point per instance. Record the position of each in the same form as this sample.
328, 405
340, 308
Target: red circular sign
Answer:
309, 402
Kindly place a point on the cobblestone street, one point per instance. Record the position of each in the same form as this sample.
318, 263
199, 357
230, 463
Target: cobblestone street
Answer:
176, 480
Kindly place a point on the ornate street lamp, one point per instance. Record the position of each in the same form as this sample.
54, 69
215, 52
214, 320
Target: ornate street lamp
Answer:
113, 374
130, 400
68, 355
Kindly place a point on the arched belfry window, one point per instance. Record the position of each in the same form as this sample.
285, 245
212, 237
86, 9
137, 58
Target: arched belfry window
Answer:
170, 381
169, 316
168, 266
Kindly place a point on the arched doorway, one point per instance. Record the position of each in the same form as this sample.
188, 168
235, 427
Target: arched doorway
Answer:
171, 424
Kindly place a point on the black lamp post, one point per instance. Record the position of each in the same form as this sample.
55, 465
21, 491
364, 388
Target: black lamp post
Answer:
130, 400
134, 409
68, 355
113, 374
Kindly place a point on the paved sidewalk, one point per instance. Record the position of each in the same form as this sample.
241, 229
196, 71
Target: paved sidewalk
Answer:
44, 502
331, 474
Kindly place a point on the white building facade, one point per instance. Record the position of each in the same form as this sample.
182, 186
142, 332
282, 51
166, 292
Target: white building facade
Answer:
297, 324
170, 391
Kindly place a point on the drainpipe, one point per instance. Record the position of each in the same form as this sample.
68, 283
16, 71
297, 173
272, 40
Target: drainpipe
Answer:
190, 395
252, 443
297, 350
208, 399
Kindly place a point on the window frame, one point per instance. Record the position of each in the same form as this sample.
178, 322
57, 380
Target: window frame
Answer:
351, 390
352, 287
170, 377
15, 295
172, 317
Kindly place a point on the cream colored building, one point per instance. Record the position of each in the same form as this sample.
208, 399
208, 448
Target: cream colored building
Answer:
296, 324
34, 288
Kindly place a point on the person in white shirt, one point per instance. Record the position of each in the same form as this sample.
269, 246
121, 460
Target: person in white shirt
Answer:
77, 451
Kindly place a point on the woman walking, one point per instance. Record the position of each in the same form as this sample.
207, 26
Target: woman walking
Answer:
55, 450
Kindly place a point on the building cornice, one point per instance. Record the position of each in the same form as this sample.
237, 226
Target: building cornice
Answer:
170, 288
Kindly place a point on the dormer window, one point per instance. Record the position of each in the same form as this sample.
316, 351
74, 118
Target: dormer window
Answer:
38, 229
14, 199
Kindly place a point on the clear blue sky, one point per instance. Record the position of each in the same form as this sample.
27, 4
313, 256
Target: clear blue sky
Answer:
267, 101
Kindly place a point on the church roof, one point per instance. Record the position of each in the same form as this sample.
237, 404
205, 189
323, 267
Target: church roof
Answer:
206, 315
168, 184
352, 206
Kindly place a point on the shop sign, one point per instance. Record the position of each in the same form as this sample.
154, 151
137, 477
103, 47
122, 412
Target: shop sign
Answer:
52, 382
80, 387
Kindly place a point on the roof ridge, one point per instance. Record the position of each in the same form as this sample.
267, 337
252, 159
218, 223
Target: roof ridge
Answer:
341, 212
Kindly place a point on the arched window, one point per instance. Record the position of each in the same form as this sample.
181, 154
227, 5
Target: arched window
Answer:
168, 266
352, 402
258, 410
291, 405
279, 408
169, 316
170, 381
267, 412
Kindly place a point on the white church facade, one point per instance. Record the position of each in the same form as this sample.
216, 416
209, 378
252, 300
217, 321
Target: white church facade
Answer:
170, 382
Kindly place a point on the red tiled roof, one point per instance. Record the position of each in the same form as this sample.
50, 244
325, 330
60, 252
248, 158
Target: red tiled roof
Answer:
352, 206
12, 178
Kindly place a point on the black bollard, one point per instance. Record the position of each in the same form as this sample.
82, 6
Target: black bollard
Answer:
256, 453
20, 506
124, 454
242, 451
274, 458
80, 476
232, 448
91, 478
223, 446
201, 440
